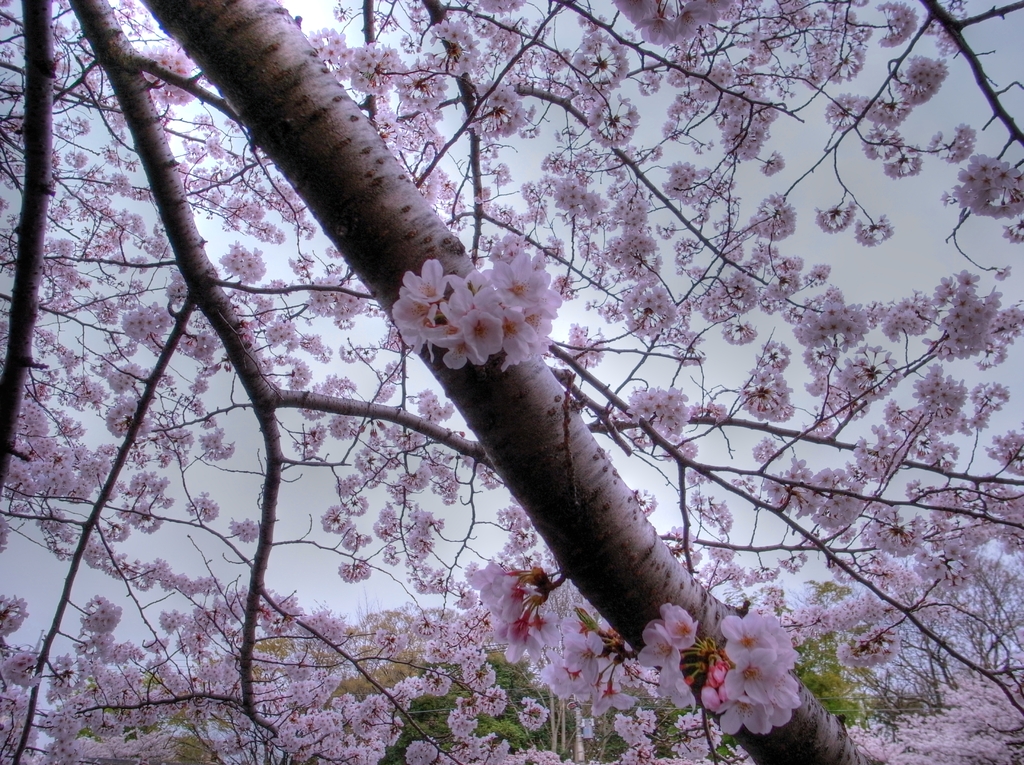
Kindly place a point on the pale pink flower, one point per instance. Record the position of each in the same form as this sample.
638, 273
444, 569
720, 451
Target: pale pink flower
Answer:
746, 633
901, 20
637, 10
429, 286
757, 692
658, 650
563, 680
519, 282
582, 650
744, 713
609, 695
673, 686
519, 338
19, 669
499, 590
482, 334
678, 626
754, 673
658, 29
531, 632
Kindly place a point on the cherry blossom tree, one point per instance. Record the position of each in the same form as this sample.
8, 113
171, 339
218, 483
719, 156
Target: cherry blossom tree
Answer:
476, 274
922, 674
975, 726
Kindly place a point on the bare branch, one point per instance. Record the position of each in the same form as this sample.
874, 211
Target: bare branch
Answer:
954, 28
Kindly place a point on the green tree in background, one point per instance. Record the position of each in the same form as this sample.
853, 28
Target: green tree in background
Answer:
841, 689
430, 713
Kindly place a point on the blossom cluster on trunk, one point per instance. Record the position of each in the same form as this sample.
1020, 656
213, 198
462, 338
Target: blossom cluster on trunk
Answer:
747, 682
508, 308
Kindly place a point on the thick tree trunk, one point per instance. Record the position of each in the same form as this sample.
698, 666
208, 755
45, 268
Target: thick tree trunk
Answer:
302, 118
35, 201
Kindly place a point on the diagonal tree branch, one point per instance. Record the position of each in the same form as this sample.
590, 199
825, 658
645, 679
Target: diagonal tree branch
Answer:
992, 13
954, 29
371, 411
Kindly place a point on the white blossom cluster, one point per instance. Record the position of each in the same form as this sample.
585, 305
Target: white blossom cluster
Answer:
13, 611
19, 669
146, 324
748, 683
101, 616
509, 308
879, 646
244, 264
664, 23
759, 692
666, 407
991, 187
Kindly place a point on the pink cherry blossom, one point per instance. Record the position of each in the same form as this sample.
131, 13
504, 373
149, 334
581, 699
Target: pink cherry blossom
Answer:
19, 669
247, 291
508, 309
610, 696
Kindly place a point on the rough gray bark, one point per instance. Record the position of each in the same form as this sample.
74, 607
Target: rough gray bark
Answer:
302, 118
35, 201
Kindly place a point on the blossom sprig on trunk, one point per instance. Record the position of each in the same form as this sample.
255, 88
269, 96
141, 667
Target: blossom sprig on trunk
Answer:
508, 308
595, 662
760, 693
747, 683
514, 599
586, 658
